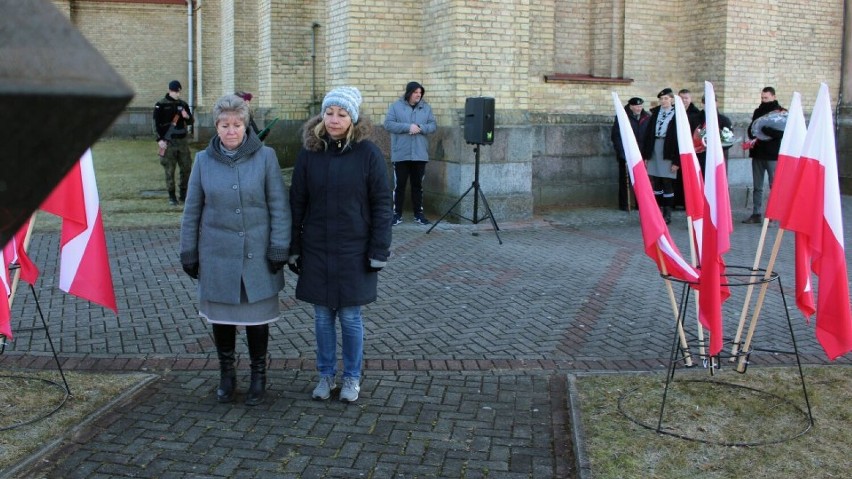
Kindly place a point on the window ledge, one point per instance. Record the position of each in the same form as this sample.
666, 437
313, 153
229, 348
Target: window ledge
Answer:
582, 78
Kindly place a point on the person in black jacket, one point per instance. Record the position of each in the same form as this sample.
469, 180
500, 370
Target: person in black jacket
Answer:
247, 96
661, 163
639, 122
764, 150
701, 124
172, 118
340, 198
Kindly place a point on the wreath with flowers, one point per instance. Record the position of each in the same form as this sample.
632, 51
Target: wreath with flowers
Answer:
699, 138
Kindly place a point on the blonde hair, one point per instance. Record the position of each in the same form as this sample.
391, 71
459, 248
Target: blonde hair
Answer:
320, 132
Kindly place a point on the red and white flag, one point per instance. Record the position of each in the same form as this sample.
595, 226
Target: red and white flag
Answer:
717, 228
5, 291
693, 184
16, 253
815, 212
781, 195
84, 263
659, 245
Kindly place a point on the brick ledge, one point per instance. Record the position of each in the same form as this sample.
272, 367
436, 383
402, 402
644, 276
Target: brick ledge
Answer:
582, 78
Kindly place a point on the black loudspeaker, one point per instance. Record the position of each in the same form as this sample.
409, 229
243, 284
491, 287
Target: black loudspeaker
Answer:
479, 120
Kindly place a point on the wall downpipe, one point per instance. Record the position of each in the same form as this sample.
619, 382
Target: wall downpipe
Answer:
189, 54
199, 96
314, 100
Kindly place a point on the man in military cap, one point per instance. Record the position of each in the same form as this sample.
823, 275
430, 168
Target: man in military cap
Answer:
172, 118
639, 119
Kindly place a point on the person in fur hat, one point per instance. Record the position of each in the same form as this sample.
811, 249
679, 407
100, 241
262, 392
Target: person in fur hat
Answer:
340, 203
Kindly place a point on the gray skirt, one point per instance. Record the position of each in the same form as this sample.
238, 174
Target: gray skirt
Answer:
243, 314
657, 166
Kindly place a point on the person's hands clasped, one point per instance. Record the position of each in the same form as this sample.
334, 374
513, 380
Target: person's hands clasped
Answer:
295, 264
414, 129
276, 266
191, 269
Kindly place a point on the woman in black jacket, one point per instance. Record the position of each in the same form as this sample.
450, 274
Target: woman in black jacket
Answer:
341, 205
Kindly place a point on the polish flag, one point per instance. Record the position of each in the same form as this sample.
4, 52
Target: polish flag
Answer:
781, 194
84, 263
815, 212
693, 184
659, 245
5, 291
717, 228
16, 253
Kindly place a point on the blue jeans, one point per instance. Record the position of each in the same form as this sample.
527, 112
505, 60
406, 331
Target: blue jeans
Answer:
352, 331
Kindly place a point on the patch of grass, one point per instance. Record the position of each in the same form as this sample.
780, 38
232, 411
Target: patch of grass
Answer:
710, 409
29, 396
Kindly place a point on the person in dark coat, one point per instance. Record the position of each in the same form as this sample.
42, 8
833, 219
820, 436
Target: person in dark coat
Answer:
763, 152
701, 149
672, 151
639, 122
340, 199
247, 96
235, 239
662, 166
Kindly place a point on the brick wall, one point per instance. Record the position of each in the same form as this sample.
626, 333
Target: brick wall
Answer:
464, 48
500, 48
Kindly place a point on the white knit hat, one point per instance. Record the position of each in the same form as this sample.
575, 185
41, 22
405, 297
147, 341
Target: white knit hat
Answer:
346, 97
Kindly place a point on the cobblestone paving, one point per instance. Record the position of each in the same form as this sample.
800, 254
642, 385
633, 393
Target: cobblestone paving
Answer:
466, 353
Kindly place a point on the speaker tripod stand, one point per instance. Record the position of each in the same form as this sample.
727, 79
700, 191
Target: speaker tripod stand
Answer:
477, 195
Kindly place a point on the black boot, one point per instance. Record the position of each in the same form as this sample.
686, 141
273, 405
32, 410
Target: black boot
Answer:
668, 204
258, 340
667, 214
172, 198
225, 337
182, 196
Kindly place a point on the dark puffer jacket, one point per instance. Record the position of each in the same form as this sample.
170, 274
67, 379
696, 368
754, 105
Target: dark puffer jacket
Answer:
341, 204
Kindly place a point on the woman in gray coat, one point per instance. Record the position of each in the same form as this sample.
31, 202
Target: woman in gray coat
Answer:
341, 232
235, 238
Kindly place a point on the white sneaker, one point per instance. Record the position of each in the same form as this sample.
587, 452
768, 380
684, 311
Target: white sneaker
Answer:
324, 388
350, 390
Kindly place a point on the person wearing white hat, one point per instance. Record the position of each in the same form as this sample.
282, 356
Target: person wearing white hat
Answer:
340, 202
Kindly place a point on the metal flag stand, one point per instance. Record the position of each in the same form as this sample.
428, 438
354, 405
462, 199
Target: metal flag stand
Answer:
66, 390
735, 276
477, 194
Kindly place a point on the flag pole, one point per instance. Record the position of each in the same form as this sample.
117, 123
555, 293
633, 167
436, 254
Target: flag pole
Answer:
683, 344
741, 366
694, 257
744, 313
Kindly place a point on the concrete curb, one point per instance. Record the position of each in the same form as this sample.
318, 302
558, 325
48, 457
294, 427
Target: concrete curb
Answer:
578, 436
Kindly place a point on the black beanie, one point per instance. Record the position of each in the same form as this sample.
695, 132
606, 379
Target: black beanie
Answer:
409, 89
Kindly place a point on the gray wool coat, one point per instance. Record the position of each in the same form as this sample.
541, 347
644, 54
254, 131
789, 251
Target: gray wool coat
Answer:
342, 213
235, 221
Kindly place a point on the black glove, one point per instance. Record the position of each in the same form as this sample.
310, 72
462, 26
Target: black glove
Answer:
191, 269
296, 266
276, 266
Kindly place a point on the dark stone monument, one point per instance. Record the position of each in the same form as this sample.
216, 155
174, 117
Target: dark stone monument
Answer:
58, 95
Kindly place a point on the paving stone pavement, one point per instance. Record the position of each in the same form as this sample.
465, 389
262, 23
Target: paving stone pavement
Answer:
467, 352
